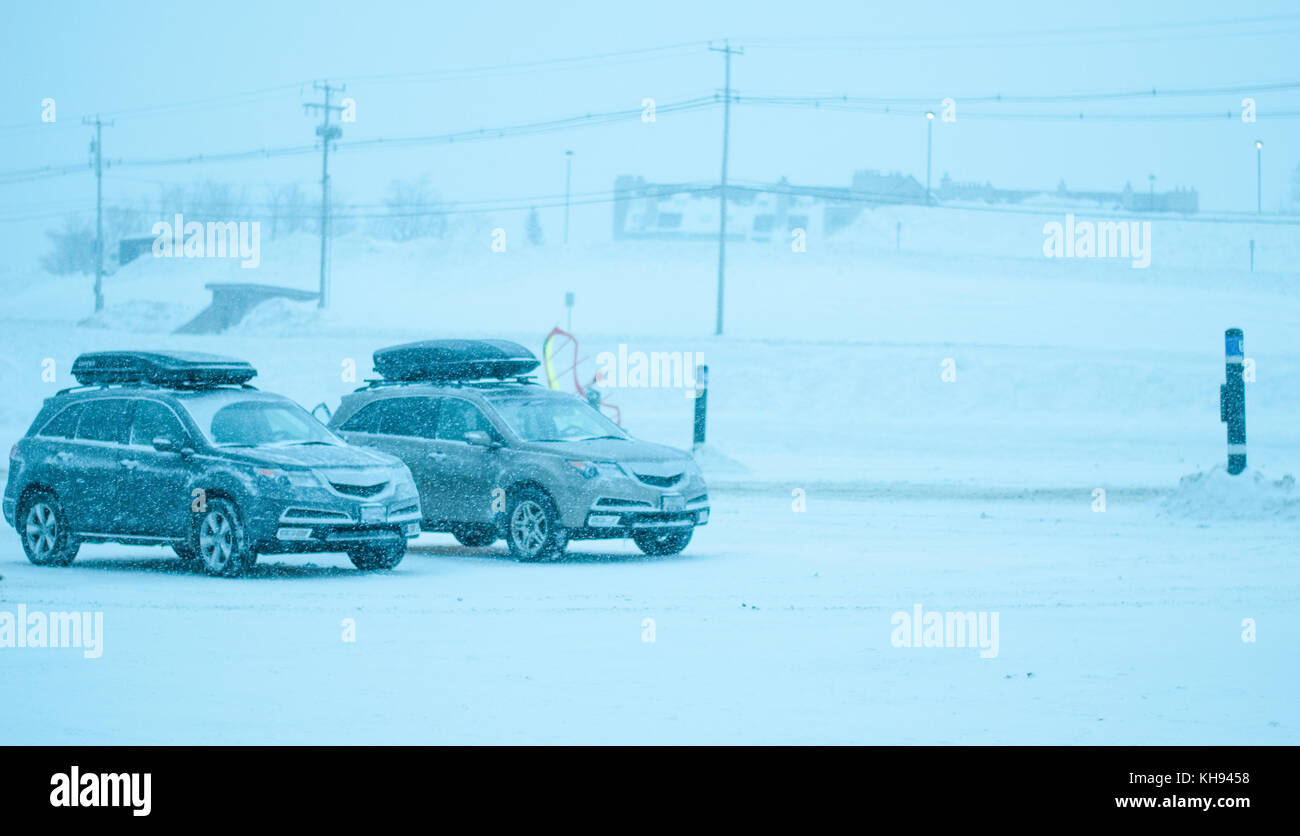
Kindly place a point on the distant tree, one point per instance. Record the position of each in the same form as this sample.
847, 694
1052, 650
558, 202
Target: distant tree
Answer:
412, 211
288, 208
533, 229
72, 248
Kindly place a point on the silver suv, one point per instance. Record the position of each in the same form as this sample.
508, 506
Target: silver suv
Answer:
496, 455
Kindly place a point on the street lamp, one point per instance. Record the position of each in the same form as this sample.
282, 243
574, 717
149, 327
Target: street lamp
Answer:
929, 128
568, 177
1259, 177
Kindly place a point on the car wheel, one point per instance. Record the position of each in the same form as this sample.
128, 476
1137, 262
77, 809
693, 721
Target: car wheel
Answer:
221, 541
370, 558
44, 531
533, 528
474, 536
662, 542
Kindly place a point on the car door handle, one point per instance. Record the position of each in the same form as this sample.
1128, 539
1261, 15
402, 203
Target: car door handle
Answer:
63, 456
435, 454
130, 464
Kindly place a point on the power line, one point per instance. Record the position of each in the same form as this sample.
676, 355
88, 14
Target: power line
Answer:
1027, 38
495, 70
840, 104
419, 76
471, 135
999, 98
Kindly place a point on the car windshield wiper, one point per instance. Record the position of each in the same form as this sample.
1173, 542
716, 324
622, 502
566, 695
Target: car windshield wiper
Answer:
597, 437
302, 443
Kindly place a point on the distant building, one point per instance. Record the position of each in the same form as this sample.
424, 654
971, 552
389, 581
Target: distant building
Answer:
1183, 201
767, 212
129, 249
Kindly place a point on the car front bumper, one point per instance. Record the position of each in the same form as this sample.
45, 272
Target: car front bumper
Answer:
610, 518
303, 527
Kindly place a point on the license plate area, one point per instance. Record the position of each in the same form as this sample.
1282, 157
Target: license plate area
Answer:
373, 514
672, 502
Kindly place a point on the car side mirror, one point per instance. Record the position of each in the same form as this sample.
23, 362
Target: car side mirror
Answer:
478, 438
164, 445
322, 413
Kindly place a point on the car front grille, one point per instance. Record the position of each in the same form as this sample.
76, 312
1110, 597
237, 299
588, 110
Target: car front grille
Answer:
359, 490
610, 502
659, 481
313, 515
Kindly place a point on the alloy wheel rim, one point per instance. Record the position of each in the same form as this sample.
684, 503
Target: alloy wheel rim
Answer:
216, 540
528, 527
42, 530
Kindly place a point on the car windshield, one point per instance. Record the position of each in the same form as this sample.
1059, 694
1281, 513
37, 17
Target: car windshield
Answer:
555, 419
257, 423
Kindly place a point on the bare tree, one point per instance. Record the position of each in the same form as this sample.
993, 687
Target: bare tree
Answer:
72, 248
412, 211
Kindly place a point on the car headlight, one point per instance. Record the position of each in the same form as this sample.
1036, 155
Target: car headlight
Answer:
403, 478
590, 470
290, 478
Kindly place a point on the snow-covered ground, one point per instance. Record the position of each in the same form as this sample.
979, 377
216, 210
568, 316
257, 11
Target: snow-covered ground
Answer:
974, 494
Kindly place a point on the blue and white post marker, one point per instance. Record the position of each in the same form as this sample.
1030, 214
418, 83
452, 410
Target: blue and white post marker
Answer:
1232, 399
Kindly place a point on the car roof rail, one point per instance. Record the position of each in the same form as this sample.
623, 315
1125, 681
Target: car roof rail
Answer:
141, 384
379, 383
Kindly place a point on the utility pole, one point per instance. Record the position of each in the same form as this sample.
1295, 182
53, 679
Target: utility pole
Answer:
727, 52
568, 177
326, 132
97, 146
1259, 177
929, 129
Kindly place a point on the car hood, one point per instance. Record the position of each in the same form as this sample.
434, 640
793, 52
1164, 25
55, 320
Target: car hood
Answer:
315, 456
622, 451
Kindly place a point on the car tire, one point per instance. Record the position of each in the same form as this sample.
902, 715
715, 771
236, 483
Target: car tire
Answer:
661, 543
220, 540
42, 526
475, 536
372, 558
533, 529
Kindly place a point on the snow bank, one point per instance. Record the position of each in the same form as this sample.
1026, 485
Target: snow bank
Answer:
1248, 496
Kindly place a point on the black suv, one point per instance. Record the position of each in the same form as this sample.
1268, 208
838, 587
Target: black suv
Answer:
177, 449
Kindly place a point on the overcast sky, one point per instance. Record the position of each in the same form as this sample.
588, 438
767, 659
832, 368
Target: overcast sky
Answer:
252, 64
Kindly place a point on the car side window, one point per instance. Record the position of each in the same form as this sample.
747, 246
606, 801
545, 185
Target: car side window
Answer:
365, 419
106, 420
411, 417
154, 420
415, 417
459, 417
63, 425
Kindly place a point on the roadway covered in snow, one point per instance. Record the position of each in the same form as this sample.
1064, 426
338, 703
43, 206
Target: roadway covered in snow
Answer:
977, 494
774, 626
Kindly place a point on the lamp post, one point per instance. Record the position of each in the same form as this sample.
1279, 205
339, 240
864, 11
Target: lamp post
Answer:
929, 129
1259, 177
568, 177
1151, 199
